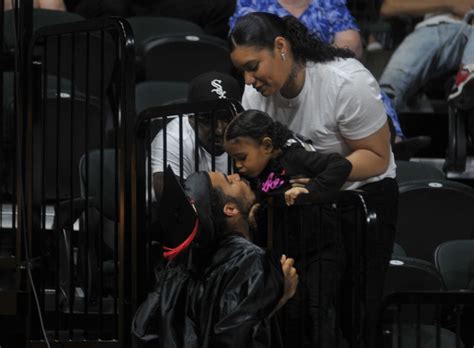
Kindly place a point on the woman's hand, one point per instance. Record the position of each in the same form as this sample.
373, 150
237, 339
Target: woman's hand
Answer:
293, 193
299, 182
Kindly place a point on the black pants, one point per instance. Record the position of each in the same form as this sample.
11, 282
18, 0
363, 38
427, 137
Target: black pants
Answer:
383, 195
212, 15
310, 317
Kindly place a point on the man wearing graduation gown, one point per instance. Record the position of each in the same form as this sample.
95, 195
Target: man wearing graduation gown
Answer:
216, 289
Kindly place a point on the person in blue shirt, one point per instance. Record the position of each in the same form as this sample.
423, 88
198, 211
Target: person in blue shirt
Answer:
329, 20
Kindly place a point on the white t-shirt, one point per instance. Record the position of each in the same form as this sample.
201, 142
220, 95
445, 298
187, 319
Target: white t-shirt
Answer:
340, 99
172, 151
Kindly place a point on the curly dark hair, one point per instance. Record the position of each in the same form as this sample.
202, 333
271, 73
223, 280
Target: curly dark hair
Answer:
259, 29
257, 124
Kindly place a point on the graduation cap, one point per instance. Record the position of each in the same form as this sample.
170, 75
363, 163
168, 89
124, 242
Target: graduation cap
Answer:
177, 216
182, 223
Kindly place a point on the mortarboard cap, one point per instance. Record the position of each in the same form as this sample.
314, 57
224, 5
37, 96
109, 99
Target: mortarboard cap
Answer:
176, 215
182, 223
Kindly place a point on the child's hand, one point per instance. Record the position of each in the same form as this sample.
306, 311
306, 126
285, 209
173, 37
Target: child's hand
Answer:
294, 192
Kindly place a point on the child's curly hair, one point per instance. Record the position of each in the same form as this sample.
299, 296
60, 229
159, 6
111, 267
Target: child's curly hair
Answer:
257, 124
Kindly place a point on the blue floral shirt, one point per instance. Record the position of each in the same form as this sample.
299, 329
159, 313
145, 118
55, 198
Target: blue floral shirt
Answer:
324, 18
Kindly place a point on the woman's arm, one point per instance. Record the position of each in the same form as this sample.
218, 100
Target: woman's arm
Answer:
371, 155
422, 7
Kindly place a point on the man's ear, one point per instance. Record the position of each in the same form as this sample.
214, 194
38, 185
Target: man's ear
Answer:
267, 144
231, 209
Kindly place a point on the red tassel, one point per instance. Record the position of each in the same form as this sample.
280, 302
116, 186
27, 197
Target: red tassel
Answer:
171, 253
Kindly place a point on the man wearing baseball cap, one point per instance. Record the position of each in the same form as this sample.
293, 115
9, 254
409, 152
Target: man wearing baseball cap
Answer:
208, 86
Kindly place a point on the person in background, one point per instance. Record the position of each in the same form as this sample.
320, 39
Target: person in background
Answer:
323, 93
208, 86
443, 42
329, 20
211, 15
57, 5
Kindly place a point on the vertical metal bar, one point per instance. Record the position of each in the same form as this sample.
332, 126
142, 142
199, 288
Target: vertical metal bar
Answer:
418, 326
57, 123
149, 214
196, 142
437, 323
338, 231
101, 178
86, 213
128, 300
321, 240
181, 169
116, 229
399, 325
301, 235
23, 106
165, 143
458, 312
71, 187
42, 117
214, 125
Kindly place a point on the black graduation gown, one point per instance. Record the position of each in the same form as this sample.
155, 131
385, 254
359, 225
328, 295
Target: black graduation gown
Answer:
229, 304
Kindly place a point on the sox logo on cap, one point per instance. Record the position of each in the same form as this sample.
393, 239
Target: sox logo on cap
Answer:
218, 88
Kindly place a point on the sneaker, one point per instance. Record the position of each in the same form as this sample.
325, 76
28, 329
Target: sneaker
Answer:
462, 93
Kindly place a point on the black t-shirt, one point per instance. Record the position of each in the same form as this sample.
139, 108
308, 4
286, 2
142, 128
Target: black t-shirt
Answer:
328, 172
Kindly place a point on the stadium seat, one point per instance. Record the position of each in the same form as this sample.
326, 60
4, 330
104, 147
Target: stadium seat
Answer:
156, 93
41, 18
406, 336
147, 27
183, 57
411, 171
411, 274
455, 261
433, 212
398, 251
407, 274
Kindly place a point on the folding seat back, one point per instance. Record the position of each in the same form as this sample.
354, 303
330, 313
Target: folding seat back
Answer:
70, 128
455, 261
40, 18
414, 171
152, 26
157, 93
432, 212
407, 274
92, 73
183, 57
398, 251
411, 274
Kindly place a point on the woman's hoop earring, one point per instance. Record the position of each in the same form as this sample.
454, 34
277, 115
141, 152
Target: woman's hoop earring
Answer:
283, 57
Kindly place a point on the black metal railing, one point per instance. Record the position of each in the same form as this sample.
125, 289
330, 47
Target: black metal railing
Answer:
327, 237
156, 129
427, 319
80, 104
